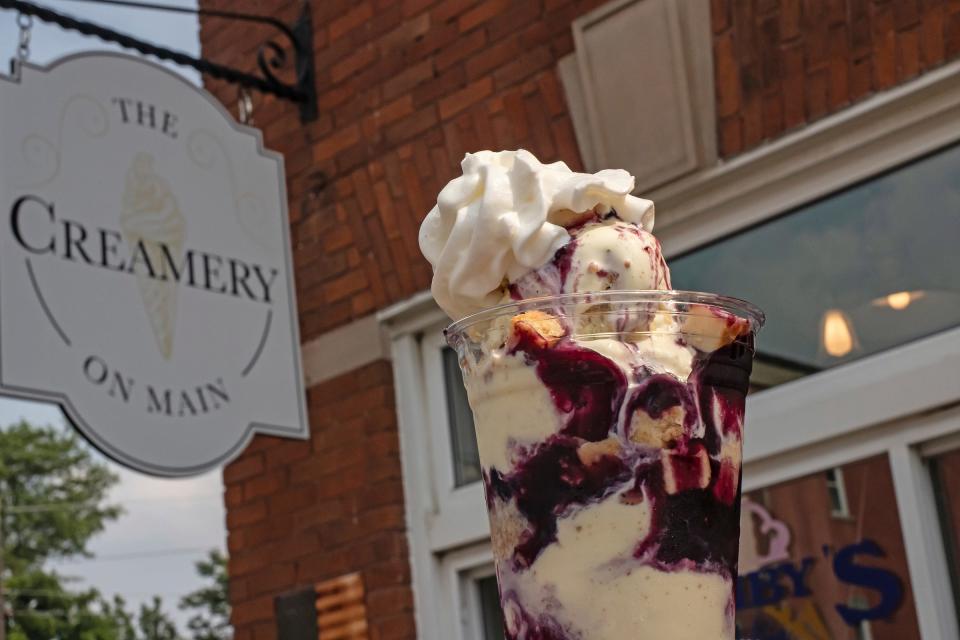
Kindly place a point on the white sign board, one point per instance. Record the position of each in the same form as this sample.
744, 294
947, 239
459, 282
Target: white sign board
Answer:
146, 283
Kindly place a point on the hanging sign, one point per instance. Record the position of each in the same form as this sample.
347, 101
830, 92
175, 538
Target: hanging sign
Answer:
145, 273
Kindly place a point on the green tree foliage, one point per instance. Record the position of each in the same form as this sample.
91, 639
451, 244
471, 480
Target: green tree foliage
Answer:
54, 495
154, 624
212, 618
53, 500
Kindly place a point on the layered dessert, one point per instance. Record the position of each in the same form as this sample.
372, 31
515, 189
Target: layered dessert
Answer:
608, 409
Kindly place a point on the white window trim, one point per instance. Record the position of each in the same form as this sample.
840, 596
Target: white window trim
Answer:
844, 414
839, 486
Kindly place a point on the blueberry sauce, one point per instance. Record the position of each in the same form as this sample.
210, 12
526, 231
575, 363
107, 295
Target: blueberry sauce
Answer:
695, 515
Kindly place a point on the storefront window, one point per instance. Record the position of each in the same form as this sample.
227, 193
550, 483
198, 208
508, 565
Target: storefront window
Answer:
838, 493
861, 271
945, 469
490, 608
807, 575
466, 459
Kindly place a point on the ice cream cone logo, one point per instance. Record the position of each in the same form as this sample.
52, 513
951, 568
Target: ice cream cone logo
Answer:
775, 535
151, 217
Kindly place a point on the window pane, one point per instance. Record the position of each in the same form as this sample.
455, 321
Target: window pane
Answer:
463, 440
946, 482
807, 574
855, 273
490, 608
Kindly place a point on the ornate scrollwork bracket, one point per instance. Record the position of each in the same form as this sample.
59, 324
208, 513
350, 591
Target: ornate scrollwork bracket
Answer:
271, 58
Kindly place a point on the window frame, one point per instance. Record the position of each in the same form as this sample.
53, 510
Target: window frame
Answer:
837, 485
899, 403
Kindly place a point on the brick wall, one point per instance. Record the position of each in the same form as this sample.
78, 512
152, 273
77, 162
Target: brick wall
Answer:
405, 88
299, 512
781, 64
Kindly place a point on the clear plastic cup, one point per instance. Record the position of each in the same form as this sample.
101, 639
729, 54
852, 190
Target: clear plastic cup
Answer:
610, 429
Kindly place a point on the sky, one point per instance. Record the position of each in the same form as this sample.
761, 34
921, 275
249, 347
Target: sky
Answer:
168, 524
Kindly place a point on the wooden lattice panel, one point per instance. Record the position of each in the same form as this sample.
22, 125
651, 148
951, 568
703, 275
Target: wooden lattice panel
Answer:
341, 613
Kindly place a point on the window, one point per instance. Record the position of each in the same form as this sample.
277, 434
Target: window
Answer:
800, 567
490, 611
466, 459
945, 473
838, 493
858, 272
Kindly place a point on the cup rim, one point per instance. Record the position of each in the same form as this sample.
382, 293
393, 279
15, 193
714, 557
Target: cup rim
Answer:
736, 306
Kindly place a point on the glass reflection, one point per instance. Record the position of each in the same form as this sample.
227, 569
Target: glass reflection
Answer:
822, 558
463, 440
858, 272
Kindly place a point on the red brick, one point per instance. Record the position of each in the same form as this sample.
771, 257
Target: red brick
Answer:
414, 124
251, 610
233, 496
390, 600
838, 89
343, 286
719, 15
908, 55
552, 94
772, 115
519, 15
460, 49
404, 36
931, 39
906, 14
816, 92
793, 87
951, 33
413, 7
727, 76
264, 484
350, 20
483, 12
858, 14
340, 140
273, 578
265, 631
427, 94
246, 514
449, 10
388, 574
242, 468
731, 136
408, 79
395, 628
861, 79
287, 452
567, 149
523, 67
493, 57
752, 121
459, 101
884, 49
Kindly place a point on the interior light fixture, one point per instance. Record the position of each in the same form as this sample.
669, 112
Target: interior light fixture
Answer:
836, 332
898, 300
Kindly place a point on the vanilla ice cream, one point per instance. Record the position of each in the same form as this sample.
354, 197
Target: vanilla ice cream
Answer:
609, 422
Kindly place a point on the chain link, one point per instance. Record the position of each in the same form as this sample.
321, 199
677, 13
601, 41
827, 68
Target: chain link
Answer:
25, 22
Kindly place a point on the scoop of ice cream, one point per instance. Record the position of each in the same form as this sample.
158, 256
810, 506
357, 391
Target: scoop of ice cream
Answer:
506, 216
615, 255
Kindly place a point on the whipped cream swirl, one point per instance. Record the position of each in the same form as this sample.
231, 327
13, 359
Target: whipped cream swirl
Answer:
505, 217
